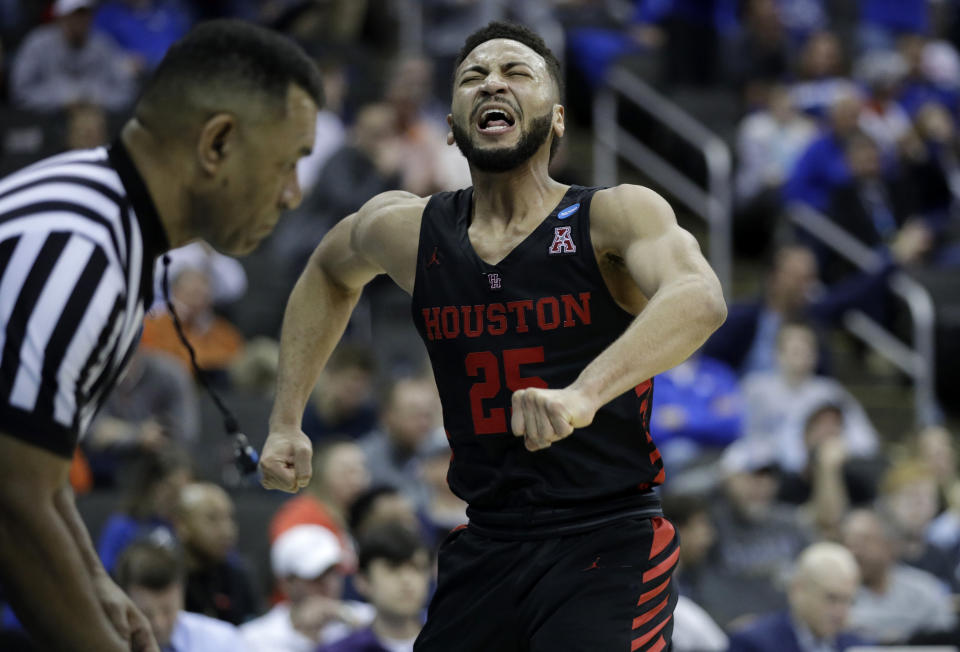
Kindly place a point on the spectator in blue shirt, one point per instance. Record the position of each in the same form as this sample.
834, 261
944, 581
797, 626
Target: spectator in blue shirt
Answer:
394, 576
802, 18
697, 406
684, 32
823, 166
931, 75
148, 513
882, 21
145, 28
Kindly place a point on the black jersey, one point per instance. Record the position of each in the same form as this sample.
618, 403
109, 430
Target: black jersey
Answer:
535, 319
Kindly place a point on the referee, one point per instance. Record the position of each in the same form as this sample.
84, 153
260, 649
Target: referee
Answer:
210, 153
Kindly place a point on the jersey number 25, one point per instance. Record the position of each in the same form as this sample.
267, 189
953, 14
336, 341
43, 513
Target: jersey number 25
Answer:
486, 366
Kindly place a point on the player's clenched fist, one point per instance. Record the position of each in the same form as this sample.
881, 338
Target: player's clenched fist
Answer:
286, 460
543, 416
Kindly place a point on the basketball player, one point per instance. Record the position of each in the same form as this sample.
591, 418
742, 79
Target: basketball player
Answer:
546, 310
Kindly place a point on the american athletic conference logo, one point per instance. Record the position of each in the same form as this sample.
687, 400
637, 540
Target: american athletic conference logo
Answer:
562, 241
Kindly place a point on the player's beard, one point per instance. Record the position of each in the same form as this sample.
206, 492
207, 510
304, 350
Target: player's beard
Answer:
503, 159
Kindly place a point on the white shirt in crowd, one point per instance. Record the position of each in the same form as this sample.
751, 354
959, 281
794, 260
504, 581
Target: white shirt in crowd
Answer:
393, 645
778, 412
915, 601
228, 279
274, 632
331, 136
199, 633
694, 630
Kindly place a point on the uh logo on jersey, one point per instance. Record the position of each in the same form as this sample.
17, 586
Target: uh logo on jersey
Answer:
563, 235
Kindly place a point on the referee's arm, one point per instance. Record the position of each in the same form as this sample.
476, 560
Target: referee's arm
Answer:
57, 298
45, 563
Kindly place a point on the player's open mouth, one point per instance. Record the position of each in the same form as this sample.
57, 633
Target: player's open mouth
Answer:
495, 120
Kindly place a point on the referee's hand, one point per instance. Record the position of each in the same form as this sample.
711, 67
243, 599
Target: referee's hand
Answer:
126, 618
286, 461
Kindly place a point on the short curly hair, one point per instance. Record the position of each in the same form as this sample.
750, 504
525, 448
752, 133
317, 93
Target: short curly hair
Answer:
521, 34
226, 65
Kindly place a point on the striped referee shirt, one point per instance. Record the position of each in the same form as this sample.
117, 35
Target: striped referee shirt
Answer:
79, 235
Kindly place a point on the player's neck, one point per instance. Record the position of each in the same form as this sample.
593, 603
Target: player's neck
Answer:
516, 194
161, 178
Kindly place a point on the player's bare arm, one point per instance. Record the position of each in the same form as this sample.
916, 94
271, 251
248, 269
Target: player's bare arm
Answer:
382, 237
655, 269
61, 592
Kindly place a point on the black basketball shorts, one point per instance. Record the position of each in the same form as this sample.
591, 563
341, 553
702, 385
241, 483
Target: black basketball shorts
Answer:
604, 590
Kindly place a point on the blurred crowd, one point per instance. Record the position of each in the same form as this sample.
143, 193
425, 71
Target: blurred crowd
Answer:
807, 522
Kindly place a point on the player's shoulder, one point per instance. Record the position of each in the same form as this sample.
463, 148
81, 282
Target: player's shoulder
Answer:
626, 212
627, 200
394, 203
387, 216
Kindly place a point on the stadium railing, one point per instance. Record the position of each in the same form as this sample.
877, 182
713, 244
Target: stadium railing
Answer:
917, 359
713, 204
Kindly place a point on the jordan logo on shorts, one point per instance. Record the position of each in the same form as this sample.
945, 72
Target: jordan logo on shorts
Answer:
562, 241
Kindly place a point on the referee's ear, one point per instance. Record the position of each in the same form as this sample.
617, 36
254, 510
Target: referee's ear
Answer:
216, 141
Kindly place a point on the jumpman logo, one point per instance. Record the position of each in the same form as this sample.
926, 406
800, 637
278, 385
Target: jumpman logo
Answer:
435, 257
594, 565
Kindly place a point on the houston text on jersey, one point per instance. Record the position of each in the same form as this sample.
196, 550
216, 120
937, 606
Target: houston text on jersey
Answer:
545, 314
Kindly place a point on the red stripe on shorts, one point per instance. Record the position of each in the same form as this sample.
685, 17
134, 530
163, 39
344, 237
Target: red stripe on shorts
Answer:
639, 621
663, 534
652, 593
662, 567
640, 641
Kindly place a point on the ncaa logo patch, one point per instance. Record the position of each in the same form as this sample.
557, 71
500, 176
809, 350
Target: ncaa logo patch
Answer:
562, 241
568, 211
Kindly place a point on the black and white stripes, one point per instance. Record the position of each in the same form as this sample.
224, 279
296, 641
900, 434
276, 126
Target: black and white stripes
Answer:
72, 266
